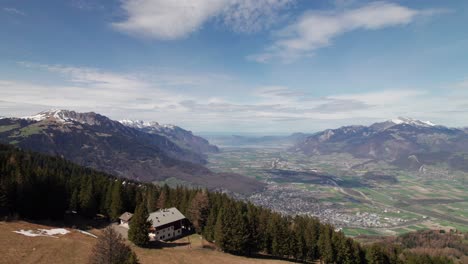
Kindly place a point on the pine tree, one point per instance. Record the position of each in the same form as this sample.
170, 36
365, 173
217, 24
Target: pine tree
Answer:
111, 249
116, 206
139, 226
88, 202
325, 244
4, 204
219, 230
209, 228
151, 199
74, 201
375, 255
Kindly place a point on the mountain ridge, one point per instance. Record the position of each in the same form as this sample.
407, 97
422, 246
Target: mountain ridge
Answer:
93, 140
182, 137
396, 141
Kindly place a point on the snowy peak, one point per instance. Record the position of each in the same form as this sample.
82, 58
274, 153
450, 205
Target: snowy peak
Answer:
148, 125
65, 117
138, 123
57, 114
413, 122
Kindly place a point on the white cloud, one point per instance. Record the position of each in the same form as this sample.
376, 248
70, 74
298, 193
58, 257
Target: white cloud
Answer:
14, 11
252, 16
316, 30
174, 19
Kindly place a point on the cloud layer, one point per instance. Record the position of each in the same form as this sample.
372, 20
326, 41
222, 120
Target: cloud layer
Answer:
270, 108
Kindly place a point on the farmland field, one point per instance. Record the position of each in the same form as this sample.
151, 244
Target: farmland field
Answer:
375, 199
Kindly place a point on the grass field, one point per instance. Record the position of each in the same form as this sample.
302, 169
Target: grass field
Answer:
75, 247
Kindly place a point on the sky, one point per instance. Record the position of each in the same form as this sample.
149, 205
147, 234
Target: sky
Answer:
222, 66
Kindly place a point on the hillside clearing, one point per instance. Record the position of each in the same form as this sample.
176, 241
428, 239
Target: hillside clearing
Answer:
75, 247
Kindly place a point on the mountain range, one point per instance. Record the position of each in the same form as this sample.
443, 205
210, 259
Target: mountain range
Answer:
144, 152
183, 138
404, 142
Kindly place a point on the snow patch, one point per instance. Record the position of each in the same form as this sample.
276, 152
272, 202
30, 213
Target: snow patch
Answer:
147, 124
86, 233
43, 232
410, 121
57, 114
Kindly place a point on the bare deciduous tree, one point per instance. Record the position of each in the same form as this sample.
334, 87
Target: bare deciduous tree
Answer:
111, 249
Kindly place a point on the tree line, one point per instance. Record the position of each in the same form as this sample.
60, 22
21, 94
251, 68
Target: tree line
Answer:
37, 186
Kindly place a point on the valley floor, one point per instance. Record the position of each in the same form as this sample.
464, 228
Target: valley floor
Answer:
360, 196
75, 247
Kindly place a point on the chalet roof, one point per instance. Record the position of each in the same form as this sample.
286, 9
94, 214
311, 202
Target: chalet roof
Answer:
165, 216
126, 216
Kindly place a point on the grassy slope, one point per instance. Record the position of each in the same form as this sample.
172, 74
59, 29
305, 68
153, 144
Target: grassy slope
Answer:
76, 247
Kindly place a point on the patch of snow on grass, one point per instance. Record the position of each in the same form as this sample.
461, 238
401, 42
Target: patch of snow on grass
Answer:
86, 233
43, 232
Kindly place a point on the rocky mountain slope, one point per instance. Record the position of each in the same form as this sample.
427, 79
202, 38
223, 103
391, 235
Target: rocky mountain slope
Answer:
96, 141
404, 142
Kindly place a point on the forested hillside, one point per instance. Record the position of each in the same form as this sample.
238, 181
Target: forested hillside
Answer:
36, 186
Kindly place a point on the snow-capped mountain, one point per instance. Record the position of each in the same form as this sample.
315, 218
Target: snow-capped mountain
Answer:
180, 136
96, 141
392, 141
145, 124
66, 117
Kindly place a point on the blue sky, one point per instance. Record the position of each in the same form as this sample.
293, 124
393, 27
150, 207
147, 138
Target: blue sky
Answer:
265, 66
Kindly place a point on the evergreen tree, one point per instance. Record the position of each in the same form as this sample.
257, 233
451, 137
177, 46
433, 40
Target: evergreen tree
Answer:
87, 198
75, 200
139, 227
209, 228
151, 199
4, 204
376, 255
219, 230
116, 206
325, 244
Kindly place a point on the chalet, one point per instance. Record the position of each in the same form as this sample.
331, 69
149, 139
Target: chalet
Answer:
166, 223
125, 219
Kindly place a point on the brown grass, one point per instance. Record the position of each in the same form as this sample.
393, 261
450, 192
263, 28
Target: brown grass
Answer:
16, 248
76, 247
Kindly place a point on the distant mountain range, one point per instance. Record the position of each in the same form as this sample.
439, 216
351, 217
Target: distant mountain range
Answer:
131, 149
183, 138
403, 142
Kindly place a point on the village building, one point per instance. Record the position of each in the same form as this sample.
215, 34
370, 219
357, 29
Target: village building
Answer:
167, 224
125, 219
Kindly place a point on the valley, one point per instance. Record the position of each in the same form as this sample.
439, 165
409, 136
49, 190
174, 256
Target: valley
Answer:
358, 195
